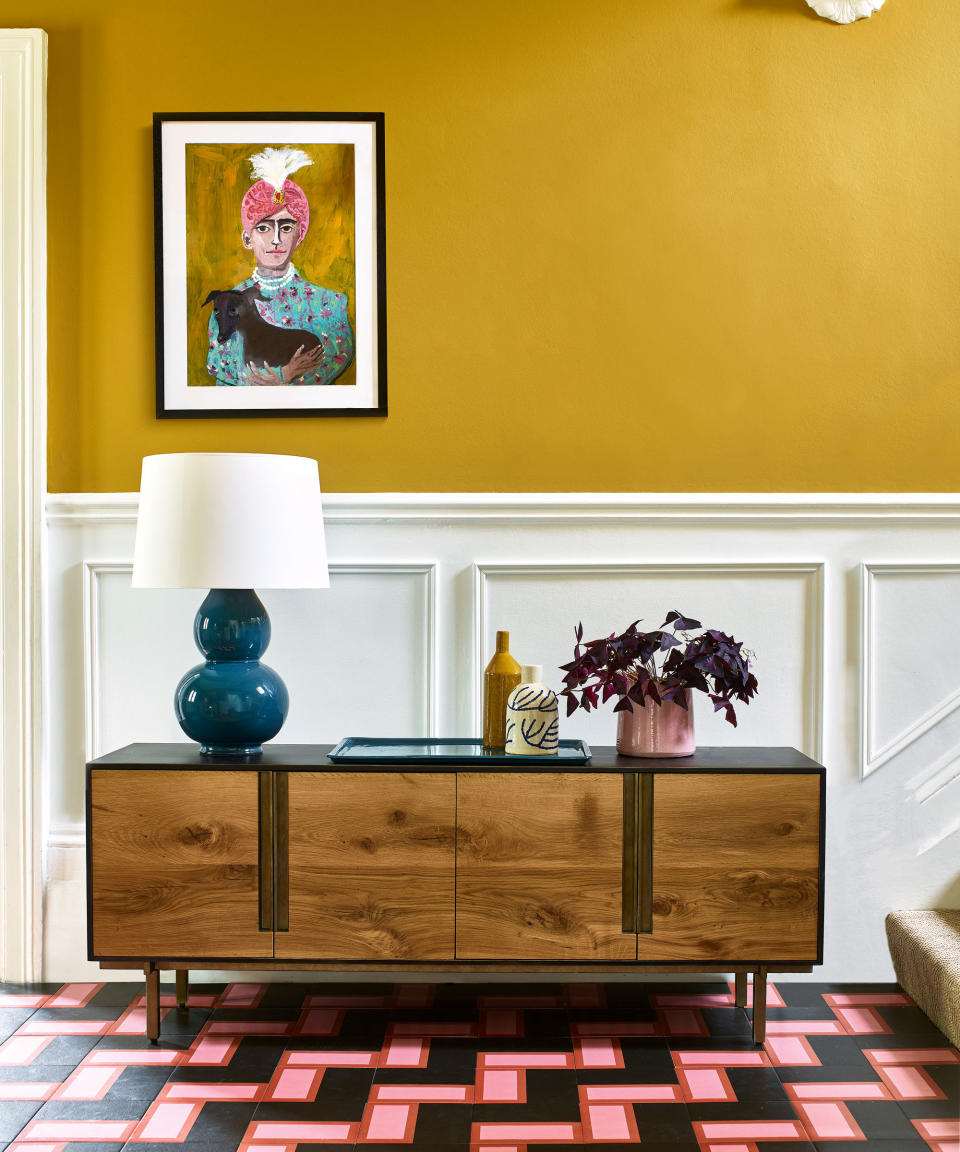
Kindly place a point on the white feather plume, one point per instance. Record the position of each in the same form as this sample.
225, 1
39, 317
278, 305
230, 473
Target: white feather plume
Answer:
274, 165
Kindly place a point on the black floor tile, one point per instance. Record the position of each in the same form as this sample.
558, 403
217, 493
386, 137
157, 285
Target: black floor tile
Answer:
110, 1108
828, 1074
11, 1019
64, 1050
117, 993
219, 1123
552, 1097
845, 1051
732, 1022
756, 1084
873, 1145
663, 1123
15, 1115
768, 1108
443, 1124
882, 1120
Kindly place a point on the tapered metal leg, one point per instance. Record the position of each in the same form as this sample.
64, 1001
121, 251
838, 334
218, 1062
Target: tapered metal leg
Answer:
152, 974
740, 989
759, 1005
183, 987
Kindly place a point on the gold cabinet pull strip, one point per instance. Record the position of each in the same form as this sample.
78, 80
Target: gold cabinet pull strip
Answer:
645, 854
266, 850
630, 886
282, 855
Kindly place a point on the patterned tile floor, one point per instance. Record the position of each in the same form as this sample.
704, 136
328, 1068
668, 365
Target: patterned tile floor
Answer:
482, 1067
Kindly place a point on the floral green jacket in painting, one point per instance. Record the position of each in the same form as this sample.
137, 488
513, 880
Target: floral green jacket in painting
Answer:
299, 304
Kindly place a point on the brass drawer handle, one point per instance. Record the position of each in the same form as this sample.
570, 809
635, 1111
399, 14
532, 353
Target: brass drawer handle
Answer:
265, 833
637, 885
282, 856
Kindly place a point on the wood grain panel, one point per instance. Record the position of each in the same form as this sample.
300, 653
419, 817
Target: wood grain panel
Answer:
371, 866
174, 864
539, 867
735, 868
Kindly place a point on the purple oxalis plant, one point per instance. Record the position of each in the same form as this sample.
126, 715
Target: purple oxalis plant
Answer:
660, 665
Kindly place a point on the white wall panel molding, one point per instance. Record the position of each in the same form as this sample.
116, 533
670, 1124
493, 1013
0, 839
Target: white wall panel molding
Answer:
100, 648
560, 508
904, 642
23, 73
421, 583
724, 592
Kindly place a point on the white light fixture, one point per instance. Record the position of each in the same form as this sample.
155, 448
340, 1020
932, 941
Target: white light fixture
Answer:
230, 522
844, 11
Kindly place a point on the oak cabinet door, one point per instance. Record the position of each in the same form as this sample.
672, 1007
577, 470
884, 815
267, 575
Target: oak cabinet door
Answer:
736, 868
540, 867
371, 866
174, 864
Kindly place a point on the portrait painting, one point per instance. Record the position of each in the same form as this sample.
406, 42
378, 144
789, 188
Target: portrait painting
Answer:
270, 265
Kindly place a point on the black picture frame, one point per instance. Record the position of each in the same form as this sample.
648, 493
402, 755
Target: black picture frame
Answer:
203, 172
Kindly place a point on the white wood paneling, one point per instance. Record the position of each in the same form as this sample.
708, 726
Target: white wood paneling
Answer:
358, 658
772, 608
23, 75
910, 632
421, 583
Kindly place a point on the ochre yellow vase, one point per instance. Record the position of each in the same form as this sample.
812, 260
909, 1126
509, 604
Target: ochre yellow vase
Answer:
499, 680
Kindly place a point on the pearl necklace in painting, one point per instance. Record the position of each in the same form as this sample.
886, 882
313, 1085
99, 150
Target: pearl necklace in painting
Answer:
274, 283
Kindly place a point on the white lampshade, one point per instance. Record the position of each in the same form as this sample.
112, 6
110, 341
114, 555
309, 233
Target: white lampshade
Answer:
229, 520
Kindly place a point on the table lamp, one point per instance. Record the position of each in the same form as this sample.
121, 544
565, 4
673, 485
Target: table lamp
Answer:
230, 522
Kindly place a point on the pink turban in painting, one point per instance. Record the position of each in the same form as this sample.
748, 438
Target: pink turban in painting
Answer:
274, 190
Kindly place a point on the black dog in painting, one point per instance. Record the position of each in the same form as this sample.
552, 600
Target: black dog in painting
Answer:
263, 343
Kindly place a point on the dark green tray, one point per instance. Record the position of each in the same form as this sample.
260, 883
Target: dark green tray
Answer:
424, 750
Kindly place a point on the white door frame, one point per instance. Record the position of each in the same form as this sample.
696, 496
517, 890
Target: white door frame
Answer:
23, 448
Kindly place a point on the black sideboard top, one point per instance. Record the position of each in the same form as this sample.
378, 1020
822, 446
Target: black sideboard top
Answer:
314, 758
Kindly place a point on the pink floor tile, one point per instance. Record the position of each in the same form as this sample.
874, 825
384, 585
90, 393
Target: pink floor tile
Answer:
869, 999
845, 1090
22, 1049
701, 1085
64, 1028
237, 1093
212, 1052
22, 1000
791, 1051
711, 1058
333, 1059
598, 1054
294, 1084
74, 995
506, 1086
405, 1053
423, 1093
749, 1130
611, 1123
501, 1022
525, 1060
89, 1082
309, 1132
167, 1120
320, 1022
242, 995
388, 1123
27, 1090
632, 1093
828, 1121
885, 1056
682, 1022
527, 1133
132, 1056
862, 1021
85, 1131
910, 1083
804, 1028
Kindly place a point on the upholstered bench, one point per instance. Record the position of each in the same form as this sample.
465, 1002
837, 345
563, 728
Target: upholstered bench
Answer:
925, 948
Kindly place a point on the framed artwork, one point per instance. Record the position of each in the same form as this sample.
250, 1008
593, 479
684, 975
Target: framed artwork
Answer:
270, 264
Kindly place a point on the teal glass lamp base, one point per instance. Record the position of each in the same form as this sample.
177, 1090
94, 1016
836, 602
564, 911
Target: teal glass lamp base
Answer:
231, 703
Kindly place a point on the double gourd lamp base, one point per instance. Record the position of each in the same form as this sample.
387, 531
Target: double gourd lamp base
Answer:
230, 522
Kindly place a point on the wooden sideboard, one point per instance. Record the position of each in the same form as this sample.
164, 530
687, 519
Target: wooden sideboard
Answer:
712, 863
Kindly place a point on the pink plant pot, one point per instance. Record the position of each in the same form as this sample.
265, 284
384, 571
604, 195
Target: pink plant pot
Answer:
657, 730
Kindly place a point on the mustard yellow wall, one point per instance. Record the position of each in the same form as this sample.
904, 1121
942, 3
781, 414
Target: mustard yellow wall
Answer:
631, 245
